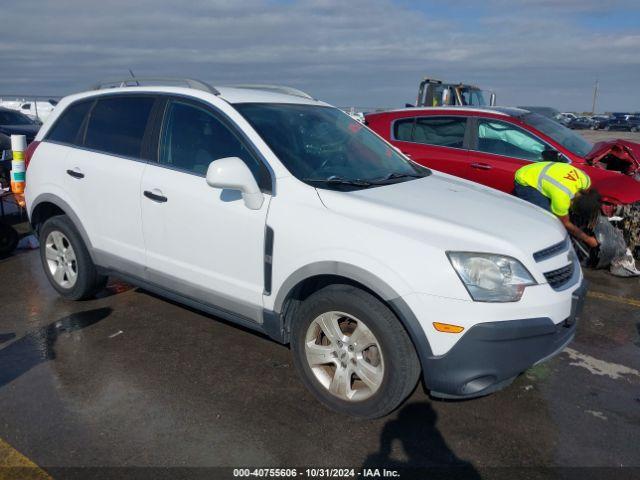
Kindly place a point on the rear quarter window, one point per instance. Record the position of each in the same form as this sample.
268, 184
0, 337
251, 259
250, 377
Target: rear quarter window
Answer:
67, 127
440, 131
117, 125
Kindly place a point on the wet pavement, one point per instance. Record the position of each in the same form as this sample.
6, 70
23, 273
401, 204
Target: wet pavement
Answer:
130, 379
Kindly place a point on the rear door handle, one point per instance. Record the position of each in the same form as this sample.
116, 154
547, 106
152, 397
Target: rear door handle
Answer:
75, 173
156, 197
481, 166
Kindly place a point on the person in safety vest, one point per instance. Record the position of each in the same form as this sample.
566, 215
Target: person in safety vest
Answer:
559, 187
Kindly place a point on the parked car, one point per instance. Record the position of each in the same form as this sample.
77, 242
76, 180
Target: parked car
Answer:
283, 214
629, 123
488, 145
37, 110
598, 122
579, 123
14, 123
548, 112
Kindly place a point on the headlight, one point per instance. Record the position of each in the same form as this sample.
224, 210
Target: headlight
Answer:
491, 278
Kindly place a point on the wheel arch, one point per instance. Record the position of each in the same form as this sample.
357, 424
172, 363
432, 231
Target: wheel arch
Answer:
48, 205
309, 279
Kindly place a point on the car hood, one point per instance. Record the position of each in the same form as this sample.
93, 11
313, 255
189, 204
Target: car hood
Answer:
627, 152
451, 213
28, 130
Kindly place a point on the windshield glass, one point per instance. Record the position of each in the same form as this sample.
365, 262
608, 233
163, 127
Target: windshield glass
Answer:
14, 118
472, 96
326, 148
570, 140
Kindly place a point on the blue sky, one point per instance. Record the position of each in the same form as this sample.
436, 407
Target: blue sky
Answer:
366, 53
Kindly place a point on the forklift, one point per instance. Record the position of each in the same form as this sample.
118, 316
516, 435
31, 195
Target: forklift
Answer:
436, 93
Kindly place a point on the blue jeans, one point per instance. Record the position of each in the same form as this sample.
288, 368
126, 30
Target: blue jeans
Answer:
532, 195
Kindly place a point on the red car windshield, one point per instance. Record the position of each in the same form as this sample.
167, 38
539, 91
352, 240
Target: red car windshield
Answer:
570, 140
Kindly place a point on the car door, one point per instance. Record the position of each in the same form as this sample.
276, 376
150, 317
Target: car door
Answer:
498, 149
437, 142
203, 242
103, 177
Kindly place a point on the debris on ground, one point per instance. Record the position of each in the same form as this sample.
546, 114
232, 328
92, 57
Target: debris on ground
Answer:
613, 251
30, 242
630, 225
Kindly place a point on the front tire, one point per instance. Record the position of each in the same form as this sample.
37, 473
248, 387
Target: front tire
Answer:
66, 260
352, 352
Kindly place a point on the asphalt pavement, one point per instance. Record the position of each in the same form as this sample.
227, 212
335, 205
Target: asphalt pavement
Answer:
130, 379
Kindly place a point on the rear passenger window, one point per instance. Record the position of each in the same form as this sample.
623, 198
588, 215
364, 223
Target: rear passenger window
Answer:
68, 125
117, 125
193, 137
442, 131
403, 129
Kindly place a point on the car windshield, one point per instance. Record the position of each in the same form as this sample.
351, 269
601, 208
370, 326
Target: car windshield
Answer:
326, 148
472, 96
8, 117
570, 140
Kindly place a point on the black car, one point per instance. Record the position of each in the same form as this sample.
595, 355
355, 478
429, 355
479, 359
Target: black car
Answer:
13, 122
579, 123
626, 123
598, 122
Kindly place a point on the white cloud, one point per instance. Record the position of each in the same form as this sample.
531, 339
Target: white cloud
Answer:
369, 53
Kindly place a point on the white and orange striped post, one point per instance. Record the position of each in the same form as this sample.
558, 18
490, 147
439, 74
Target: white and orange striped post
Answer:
18, 167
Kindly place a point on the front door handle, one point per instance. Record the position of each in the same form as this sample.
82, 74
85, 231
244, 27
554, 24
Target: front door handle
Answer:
75, 173
481, 166
156, 197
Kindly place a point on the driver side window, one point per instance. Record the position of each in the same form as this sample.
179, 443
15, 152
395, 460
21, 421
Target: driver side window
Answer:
193, 137
505, 139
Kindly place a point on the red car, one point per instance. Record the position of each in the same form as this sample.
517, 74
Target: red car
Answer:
488, 145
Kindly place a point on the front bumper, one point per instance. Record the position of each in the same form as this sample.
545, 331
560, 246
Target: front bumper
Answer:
491, 354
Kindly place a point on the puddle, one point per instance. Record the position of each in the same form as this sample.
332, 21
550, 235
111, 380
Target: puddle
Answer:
20, 355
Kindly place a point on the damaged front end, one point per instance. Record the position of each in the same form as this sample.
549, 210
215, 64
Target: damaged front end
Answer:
616, 155
630, 226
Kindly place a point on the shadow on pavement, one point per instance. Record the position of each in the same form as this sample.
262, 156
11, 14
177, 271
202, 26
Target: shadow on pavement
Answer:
428, 455
37, 347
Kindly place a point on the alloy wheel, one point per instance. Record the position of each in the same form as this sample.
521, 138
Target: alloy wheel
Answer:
344, 355
61, 259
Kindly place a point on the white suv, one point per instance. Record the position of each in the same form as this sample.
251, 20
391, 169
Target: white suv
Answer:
278, 212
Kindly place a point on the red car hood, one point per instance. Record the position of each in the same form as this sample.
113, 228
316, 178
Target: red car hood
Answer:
626, 156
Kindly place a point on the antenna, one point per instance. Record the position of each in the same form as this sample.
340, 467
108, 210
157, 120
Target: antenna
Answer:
595, 97
133, 76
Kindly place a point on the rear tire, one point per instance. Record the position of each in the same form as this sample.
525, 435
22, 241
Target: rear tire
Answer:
332, 365
66, 260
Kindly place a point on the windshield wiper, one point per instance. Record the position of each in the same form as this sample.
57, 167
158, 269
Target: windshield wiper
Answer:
395, 175
339, 181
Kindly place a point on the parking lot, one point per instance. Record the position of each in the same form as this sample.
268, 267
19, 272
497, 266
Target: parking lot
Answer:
133, 380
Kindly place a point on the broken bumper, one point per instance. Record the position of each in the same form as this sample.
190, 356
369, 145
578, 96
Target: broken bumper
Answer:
491, 354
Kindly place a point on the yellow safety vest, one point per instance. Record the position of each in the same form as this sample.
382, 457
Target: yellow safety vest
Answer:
557, 181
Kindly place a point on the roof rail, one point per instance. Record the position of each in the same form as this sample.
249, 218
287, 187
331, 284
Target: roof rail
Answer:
136, 81
275, 88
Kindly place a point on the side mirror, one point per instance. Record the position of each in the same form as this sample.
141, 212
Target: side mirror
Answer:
492, 100
551, 155
233, 174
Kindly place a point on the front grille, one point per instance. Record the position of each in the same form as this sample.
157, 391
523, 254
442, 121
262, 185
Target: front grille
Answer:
559, 278
551, 251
